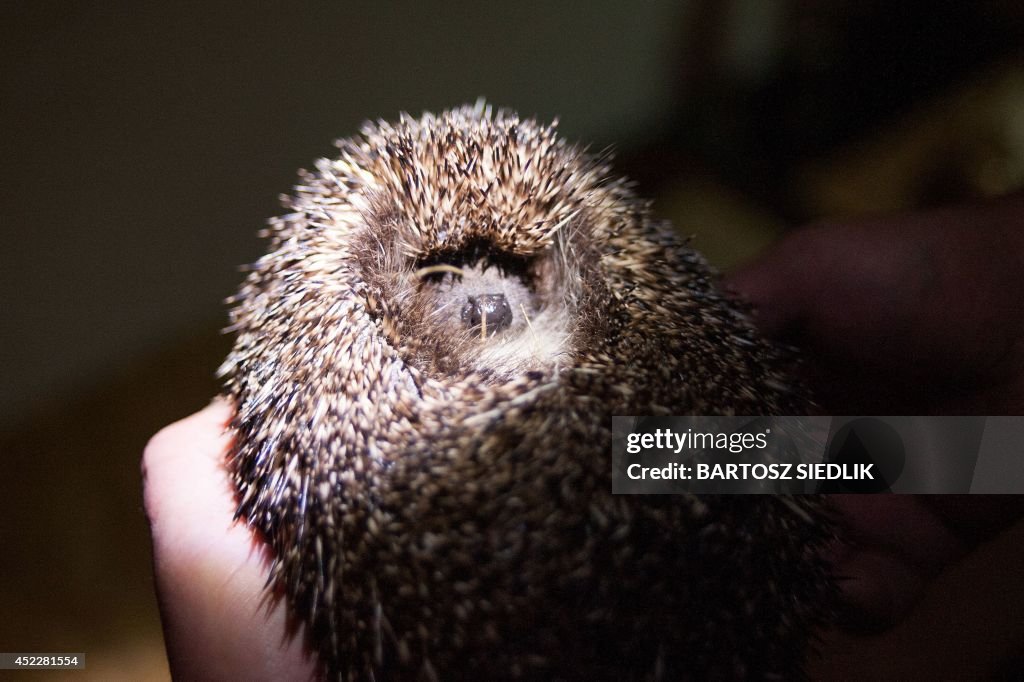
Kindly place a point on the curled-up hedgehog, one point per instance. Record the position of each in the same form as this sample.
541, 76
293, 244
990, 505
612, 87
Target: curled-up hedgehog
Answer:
427, 363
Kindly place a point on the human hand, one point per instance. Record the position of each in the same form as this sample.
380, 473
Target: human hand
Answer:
914, 314
966, 624
917, 314
219, 621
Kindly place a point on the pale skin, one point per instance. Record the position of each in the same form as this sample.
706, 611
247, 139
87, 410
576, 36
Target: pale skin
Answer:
910, 315
219, 623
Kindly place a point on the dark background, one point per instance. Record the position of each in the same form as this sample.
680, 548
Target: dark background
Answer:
144, 144
147, 142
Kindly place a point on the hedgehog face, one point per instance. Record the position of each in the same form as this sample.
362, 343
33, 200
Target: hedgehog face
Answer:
482, 311
448, 209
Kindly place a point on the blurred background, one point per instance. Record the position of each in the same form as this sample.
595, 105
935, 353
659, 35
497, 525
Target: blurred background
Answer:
144, 144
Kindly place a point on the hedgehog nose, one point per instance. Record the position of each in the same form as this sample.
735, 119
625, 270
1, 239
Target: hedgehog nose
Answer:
490, 312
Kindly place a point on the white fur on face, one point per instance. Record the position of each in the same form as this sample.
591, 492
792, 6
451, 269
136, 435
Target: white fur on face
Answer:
538, 335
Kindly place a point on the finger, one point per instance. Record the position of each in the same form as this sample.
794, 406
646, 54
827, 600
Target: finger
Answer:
877, 589
901, 525
185, 483
892, 545
219, 622
936, 291
844, 288
776, 284
967, 625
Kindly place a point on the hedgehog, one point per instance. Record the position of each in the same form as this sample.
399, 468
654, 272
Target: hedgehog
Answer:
426, 365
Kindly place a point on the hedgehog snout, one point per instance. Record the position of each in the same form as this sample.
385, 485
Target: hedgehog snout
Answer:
490, 312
